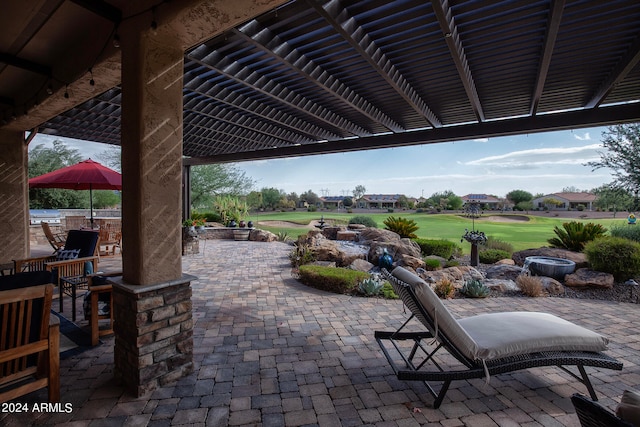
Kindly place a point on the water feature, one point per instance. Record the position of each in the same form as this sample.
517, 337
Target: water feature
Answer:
553, 267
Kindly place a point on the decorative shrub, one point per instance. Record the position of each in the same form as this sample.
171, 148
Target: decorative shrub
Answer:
332, 279
491, 256
493, 243
452, 263
370, 286
364, 220
301, 254
615, 255
403, 226
444, 289
283, 236
475, 289
574, 235
631, 232
441, 248
530, 285
388, 292
432, 264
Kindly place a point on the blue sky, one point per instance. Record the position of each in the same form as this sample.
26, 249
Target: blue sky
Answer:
538, 163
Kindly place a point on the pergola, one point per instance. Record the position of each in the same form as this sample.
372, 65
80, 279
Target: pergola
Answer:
220, 81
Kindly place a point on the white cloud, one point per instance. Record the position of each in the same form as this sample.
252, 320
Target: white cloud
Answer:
481, 140
539, 157
585, 137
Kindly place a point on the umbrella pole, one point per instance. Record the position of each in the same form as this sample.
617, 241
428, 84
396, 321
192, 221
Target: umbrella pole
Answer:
91, 203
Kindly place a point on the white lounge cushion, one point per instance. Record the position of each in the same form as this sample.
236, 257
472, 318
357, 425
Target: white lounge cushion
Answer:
506, 334
498, 335
444, 321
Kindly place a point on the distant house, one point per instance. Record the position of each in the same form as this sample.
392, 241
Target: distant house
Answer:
486, 201
379, 201
565, 201
332, 202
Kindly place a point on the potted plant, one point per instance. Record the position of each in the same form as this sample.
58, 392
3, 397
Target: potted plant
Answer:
199, 224
188, 227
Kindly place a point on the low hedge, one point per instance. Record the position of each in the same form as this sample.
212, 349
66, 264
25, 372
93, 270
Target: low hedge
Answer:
332, 279
491, 256
615, 255
441, 248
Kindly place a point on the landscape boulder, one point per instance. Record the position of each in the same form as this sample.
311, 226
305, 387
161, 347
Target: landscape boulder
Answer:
501, 285
410, 261
457, 275
361, 265
395, 248
552, 286
257, 235
587, 278
371, 234
503, 272
330, 250
578, 257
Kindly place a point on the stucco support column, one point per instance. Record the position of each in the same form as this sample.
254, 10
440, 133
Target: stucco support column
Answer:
152, 304
14, 193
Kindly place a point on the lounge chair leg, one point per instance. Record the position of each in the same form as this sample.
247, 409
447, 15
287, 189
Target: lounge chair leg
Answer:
587, 382
440, 397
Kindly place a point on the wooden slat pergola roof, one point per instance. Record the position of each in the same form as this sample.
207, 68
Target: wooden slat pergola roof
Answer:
312, 77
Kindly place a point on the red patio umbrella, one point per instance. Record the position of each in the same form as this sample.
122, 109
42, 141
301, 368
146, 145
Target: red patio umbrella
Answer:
86, 175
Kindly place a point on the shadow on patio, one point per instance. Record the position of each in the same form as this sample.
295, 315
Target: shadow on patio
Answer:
269, 351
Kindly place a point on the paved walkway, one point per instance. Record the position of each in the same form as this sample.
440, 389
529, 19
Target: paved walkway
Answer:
269, 351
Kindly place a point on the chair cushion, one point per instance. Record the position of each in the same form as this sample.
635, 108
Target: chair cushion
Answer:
67, 254
85, 240
629, 407
444, 321
25, 279
499, 335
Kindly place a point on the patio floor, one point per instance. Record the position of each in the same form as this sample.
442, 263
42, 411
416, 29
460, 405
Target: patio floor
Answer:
269, 351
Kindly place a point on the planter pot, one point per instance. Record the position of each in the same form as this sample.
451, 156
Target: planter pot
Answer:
241, 234
556, 268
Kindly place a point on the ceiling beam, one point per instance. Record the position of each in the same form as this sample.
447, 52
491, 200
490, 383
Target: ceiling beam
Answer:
553, 26
357, 38
101, 8
624, 67
270, 43
452, 37
602, 116
25, 64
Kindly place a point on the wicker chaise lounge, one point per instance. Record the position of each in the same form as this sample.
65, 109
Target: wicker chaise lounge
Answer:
484, 345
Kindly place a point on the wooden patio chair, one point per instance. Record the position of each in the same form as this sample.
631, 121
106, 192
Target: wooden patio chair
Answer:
484, 345
84, 244
75, 222
110, 238
56, 240
29, 338
98, 305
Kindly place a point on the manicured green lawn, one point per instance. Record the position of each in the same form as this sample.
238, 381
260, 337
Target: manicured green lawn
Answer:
532, 233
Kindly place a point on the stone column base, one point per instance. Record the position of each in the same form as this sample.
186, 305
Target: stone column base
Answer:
153, 328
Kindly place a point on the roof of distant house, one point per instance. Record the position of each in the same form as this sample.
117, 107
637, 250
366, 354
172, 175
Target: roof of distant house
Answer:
574, 197
480, 198
382, 197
